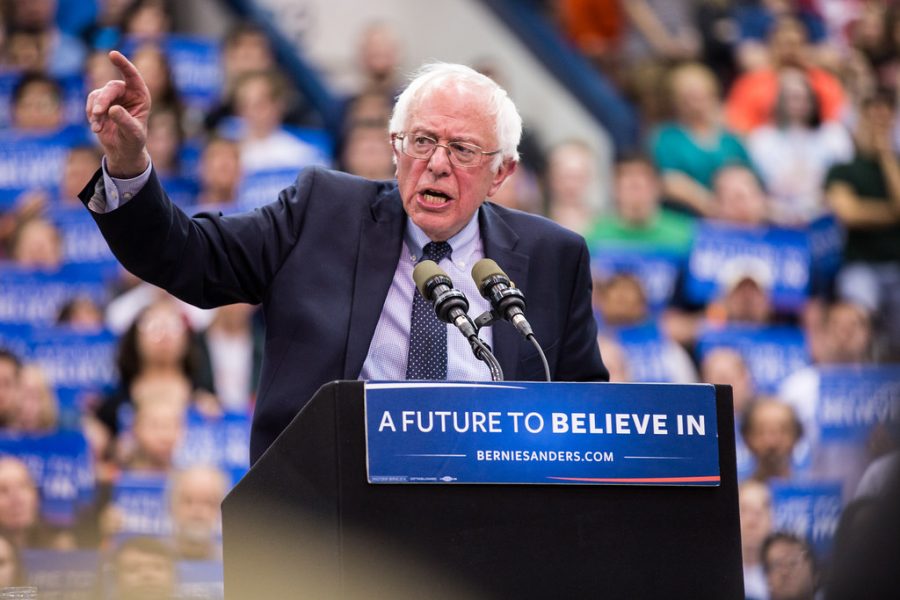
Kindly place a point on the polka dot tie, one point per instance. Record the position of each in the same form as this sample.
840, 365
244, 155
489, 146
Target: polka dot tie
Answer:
427, 358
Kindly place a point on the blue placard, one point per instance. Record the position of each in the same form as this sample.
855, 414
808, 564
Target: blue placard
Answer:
786, 252
142, 504
548, 433
854, 399
222, 442
35, 296
770, 353
262, 187
658, 272
62, 468
81, 238
646, 351
200, 579
810, 510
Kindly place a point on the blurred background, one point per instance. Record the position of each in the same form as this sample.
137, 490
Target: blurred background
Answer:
732, 164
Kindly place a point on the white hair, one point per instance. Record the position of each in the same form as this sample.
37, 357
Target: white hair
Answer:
434, 76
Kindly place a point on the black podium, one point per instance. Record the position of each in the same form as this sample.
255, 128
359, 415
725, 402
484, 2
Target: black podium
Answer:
304, 522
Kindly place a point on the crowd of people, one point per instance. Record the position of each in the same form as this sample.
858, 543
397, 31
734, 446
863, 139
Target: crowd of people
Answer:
753, 240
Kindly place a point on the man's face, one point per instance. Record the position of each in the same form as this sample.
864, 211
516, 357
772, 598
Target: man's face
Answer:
790, 574
18, 496
439, 197
773, 435
144, 575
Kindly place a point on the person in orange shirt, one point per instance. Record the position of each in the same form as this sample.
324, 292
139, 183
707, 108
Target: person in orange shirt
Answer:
752, 98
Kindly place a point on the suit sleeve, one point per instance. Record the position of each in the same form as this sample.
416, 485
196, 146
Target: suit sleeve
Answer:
579, 357
208, 260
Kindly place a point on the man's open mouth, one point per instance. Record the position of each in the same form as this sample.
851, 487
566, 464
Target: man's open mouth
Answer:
435, 197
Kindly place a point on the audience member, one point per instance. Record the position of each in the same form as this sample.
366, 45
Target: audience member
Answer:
571, 182
367, 152
790, 567
220, 174
739, 198
726, 366
147, 20
157, 429
235, 352
194, 502
36, 244
865, 196
20, 503
152, 63
38, 409
771, 430
755, 505
158, 348
261, 101
639, 222
692, 148
794, 152
144, 569
379, 56
753, 95
81, 314
621, 301
37, 104
745, 285
65, 53
81, 164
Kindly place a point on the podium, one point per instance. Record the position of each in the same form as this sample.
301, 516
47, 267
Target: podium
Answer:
305, 522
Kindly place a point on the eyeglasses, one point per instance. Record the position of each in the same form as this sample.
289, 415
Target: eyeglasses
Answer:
421, 147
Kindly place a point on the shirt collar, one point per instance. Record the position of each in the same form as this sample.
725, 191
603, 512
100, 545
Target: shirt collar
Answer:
463, 243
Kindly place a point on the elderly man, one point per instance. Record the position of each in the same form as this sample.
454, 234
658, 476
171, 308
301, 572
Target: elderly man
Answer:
330, 260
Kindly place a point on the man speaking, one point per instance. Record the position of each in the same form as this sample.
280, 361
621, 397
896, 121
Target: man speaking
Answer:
331, 259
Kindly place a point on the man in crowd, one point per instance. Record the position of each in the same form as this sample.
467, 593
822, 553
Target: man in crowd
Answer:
331, 259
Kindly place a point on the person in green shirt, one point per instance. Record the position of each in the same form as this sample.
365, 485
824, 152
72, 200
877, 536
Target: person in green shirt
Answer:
865, 197
640, 223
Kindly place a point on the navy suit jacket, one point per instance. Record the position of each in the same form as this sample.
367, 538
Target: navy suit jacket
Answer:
320, 260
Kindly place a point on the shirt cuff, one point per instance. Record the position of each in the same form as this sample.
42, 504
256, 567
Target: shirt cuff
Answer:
120, 191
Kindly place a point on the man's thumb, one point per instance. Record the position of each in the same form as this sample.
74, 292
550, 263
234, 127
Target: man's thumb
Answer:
125, 121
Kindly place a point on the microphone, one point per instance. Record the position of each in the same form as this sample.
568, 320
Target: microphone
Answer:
505, 298
450, 304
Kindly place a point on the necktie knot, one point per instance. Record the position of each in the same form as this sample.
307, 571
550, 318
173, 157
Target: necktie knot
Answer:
436, 251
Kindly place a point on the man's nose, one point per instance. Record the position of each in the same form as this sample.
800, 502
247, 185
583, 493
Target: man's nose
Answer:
439, 163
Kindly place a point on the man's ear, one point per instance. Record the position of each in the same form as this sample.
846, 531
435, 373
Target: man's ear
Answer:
507, 168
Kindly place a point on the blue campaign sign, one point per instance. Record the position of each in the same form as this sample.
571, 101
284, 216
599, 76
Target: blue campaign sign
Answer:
826, 246
262, 187
645, 351
35, 296
854, 399
785, 252
657, 272
141, 501
771, 353
75, 359
545, 433
62, 468
195, 68
223, 442
62, 574
81, 239
810, 510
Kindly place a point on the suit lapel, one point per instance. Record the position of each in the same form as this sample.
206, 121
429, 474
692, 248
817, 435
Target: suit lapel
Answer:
380, 240
499, 244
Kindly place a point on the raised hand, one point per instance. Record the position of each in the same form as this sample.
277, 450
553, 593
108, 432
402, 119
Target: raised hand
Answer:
118, 114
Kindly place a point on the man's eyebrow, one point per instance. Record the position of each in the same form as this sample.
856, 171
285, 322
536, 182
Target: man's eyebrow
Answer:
460, 138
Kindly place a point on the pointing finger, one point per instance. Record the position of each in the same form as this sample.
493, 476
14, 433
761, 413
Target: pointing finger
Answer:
133, 79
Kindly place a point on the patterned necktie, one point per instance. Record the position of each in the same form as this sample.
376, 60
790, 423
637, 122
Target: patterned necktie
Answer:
427, 358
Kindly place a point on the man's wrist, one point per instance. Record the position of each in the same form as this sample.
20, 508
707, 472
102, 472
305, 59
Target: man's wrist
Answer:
130, 169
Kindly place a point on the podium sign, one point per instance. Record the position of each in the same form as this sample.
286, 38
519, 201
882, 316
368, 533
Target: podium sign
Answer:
540, 433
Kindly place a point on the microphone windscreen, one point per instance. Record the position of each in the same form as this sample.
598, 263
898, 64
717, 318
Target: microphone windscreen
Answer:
485, 268
424, 271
